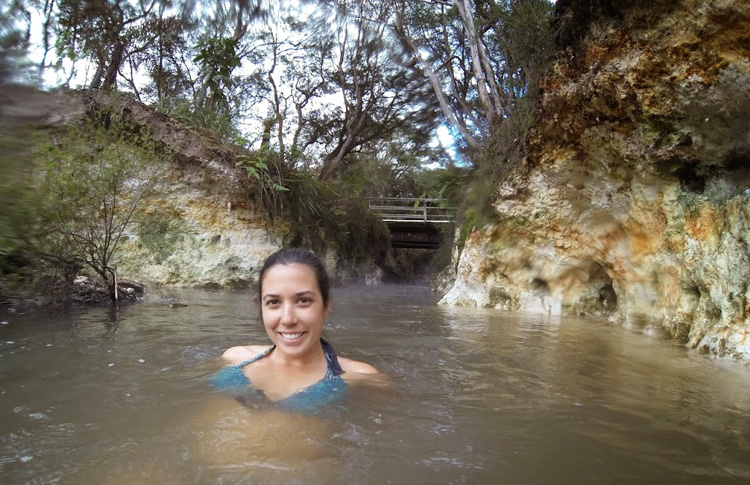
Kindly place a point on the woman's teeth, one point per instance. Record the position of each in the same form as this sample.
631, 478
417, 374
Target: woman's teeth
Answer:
291, 336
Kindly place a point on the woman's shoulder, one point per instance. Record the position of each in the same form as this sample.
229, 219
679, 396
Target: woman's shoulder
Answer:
241, 353
356, 367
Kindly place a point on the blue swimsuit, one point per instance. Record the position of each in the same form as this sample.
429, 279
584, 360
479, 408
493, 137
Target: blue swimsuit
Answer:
329, 389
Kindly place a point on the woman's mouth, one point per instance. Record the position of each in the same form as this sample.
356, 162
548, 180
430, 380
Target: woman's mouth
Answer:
290, 336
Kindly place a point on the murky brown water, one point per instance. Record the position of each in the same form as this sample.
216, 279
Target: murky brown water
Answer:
475, 396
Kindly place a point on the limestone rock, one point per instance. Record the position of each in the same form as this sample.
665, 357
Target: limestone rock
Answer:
635, 201
221, 239
215, 247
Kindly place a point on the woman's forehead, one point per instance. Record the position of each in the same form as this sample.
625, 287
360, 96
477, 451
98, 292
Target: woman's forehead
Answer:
289, 275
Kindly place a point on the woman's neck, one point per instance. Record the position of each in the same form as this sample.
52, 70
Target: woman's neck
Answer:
314, 357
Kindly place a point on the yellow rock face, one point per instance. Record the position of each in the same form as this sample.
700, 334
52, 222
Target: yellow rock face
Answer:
636, 203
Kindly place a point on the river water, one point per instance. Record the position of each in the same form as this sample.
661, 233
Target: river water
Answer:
472, 396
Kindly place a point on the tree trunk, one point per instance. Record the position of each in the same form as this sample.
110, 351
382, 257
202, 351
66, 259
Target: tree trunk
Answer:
113, 294
475, 49
432, 77
114, 66
96, 81
334, 159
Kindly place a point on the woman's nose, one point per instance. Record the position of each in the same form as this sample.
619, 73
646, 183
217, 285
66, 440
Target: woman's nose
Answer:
287, 314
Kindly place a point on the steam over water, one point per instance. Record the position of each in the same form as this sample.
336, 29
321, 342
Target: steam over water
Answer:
473, 396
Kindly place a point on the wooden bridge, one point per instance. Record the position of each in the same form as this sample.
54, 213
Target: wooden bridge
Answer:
413, 223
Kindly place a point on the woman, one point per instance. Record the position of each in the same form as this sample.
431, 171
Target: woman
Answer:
300, 371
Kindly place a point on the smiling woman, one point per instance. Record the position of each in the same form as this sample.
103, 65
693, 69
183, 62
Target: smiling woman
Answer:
300, 371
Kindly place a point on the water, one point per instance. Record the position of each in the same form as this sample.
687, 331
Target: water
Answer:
473, 396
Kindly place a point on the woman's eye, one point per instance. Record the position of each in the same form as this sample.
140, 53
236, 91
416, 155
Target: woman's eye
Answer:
272, 302
305, 300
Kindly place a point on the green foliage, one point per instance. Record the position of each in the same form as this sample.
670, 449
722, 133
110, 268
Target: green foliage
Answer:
257, 169
217, 58
13, 190
160, 233
164, 40
311, 212
321, 213
393, 168
218, 122
15, 28
91, 183
97, 30
471, 219
520, 35
17, 216
444, 183
218, 55
481, 58
266, 180
87, 28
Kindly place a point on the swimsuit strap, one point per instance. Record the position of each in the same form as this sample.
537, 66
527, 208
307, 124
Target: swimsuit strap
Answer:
334, 368
259, 356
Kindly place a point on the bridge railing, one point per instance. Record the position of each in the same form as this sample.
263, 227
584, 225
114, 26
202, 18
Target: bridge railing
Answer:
398, 209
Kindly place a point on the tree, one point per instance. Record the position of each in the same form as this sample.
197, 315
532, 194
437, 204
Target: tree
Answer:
481, 57
288, 78
163, 57
393, 167
379, 94
220, 47
111, 33
217, 58
90, 189
15, 31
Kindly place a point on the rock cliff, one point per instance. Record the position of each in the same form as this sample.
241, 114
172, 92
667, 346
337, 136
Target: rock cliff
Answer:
219, 239
633, 201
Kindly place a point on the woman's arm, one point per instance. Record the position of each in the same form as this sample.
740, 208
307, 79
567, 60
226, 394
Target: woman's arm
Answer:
357, 367
360, 372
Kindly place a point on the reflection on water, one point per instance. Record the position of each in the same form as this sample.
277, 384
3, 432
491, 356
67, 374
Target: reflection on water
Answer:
473, 396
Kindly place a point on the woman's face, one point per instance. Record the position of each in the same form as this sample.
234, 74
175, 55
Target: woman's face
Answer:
292, 308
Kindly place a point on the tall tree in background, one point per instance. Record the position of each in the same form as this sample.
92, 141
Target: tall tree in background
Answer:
380, 95
311, 84
15, 32
164, 59
274, 43
480, 57
220, 47
100, 31
332, 85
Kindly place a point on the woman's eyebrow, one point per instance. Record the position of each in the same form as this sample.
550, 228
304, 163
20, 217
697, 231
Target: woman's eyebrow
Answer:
299, 293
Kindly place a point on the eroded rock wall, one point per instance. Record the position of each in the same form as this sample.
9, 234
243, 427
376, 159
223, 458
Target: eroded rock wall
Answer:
217, 242
634, 199
217, 238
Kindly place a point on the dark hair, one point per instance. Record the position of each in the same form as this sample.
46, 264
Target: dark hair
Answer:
298, 256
